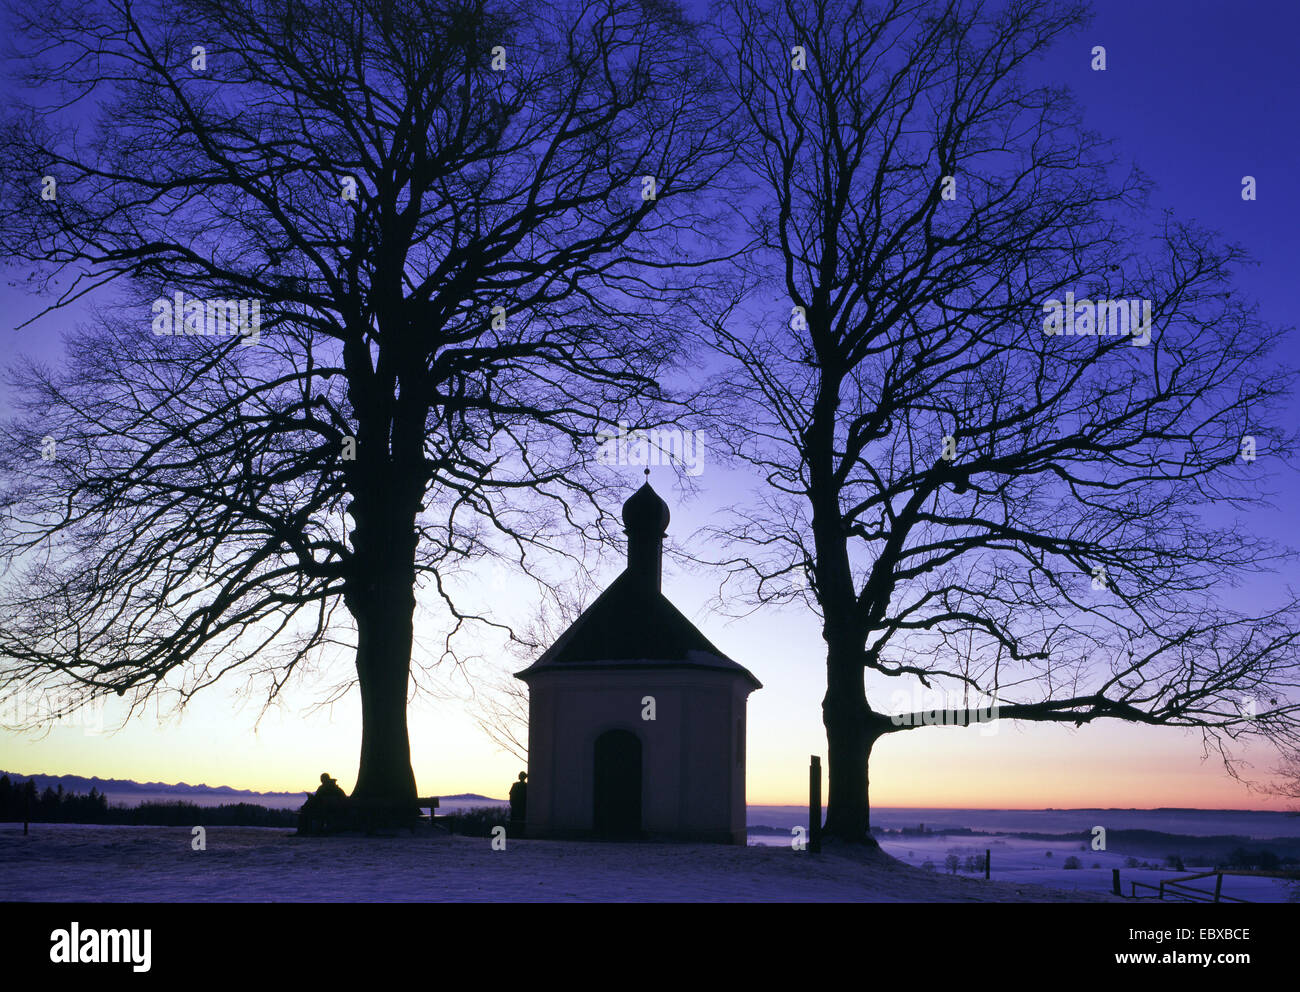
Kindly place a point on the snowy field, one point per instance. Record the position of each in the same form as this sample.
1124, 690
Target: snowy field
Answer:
1027, 861
65, 862
1253, 824
1040, 861
125, 863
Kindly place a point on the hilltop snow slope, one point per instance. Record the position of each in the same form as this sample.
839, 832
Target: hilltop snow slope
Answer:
63, 862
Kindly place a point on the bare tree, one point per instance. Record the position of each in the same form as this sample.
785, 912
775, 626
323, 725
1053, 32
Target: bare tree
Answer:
499, 704
455, 219
1018, 520
1288, 780
501, 711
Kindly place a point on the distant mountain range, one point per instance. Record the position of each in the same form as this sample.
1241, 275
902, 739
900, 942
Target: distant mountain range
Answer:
121, 786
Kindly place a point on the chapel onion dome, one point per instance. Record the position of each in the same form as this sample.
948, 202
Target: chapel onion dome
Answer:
645, 512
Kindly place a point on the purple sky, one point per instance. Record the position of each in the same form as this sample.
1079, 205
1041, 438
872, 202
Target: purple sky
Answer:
1199, 94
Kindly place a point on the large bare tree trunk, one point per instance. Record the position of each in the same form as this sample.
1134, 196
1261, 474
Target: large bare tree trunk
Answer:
850, 724
851, 731
383, 605
383, 671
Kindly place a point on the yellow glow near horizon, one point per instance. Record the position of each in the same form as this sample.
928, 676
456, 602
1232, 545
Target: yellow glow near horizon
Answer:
940, 767
219, 740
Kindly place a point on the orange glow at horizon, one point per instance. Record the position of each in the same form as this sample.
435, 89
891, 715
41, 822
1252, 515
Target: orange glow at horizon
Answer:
937, 768
221, 740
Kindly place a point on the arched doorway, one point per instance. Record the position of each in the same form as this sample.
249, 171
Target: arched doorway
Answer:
617, 784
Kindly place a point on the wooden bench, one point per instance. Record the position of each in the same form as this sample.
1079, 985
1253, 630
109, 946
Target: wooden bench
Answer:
371, 810
370, 814
431, 804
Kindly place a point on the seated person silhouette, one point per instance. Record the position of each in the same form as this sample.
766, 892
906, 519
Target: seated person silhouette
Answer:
519, 801
321, 811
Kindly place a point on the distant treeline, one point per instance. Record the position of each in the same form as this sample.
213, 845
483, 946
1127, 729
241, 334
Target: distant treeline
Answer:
23, 801
477, 821
1221, 850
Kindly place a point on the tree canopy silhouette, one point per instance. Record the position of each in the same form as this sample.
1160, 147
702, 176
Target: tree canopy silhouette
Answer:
457, 229
1028, 523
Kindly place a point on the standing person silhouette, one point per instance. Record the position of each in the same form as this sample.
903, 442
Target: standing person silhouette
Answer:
519, 802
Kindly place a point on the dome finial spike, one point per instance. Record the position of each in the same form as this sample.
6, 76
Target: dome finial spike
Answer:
645, 519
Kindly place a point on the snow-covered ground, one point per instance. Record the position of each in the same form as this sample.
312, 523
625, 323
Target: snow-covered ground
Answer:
1039, 861
154, 863
63, 862
1027, 861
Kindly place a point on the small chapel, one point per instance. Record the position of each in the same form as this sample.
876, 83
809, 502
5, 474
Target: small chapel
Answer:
636, 722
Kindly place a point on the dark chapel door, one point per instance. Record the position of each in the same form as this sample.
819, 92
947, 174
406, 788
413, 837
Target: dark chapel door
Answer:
617, 792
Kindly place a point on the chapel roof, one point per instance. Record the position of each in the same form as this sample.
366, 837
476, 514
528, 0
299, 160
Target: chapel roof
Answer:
632, 625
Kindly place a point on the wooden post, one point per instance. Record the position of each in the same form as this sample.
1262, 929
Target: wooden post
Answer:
1218, 885
1114, 882
987, 857
815, 805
